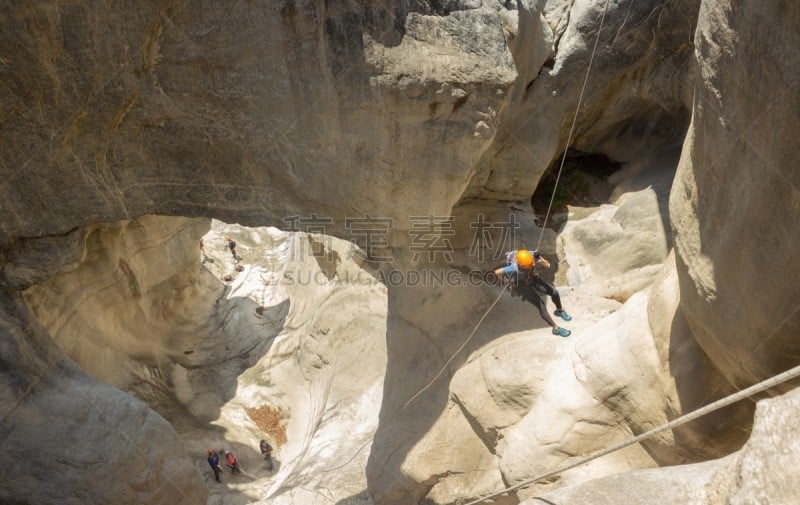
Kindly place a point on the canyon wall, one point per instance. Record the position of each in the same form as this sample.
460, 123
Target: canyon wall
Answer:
736, 242
358, 110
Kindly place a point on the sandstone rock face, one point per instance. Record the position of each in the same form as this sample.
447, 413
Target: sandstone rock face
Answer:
682, 484
525, 401
250, 113
132, 302
256, 113
628, 112
114, 112
551, 44
715, 282
736, 244
618, 250
761, 472
73, 440
146, 311
325, 370
534, 401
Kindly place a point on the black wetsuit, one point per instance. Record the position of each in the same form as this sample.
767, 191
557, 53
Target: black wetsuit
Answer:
528, 285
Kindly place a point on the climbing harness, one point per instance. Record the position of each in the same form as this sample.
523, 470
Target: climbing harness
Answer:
544, 224
572, 127
711, 407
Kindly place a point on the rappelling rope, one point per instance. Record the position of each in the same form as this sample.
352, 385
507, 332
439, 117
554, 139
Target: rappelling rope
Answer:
544, 224
572, 128
459, 349
711, 407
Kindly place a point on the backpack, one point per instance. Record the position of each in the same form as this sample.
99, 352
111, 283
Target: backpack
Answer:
232, 244
230, 458
511, 258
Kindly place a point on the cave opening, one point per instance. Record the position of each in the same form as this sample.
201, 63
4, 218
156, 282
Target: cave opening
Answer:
583, 182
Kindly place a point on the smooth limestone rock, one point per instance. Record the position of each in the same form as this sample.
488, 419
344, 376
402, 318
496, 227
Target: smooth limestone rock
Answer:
254, 113
250, 113
325, 370
682, 484
93, 443
761, 472
719, 272
110, 113
617, 250
637, 100
147, 311
133, 301
551, 43
189, 106
534, 400
737, 243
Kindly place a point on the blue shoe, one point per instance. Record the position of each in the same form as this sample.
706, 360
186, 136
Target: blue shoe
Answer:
563, 315
561, 332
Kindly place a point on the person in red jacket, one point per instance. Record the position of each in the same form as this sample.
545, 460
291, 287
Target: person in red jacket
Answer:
231, 462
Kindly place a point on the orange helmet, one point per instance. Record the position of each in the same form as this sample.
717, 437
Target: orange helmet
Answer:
524, 258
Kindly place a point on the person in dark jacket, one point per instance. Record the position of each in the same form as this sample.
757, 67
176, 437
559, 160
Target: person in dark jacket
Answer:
213, 462
231, 244
266, 450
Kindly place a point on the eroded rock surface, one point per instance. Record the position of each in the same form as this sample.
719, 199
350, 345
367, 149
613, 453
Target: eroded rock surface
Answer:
736, 244
761, 472
255, 113
204, 338
93, 443
628, 112
250, 113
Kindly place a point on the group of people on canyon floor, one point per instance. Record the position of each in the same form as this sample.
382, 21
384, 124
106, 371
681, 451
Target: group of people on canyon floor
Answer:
232, 462
229, 244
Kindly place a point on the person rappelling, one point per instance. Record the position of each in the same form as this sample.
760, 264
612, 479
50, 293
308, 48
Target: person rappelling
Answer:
520, 271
